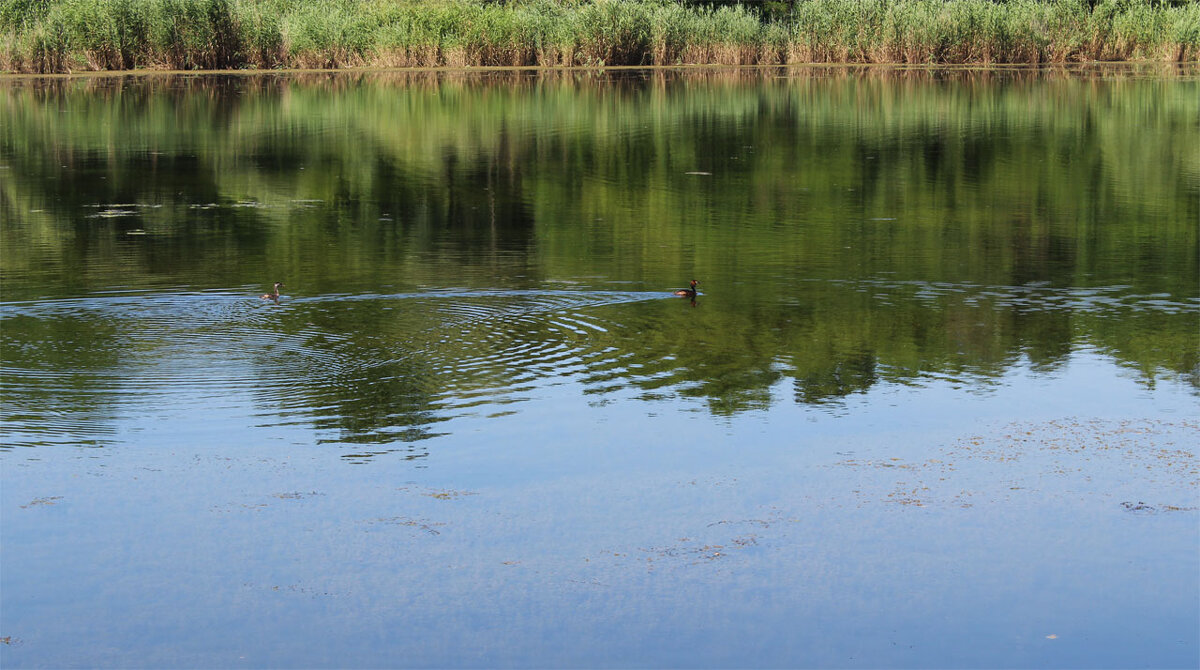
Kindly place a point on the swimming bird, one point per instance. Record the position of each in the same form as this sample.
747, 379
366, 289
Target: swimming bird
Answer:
273, 295
689, 292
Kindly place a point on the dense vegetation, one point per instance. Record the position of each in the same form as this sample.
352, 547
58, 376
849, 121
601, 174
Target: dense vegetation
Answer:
74, 35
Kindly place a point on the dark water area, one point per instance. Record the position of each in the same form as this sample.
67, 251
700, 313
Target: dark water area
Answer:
934, 405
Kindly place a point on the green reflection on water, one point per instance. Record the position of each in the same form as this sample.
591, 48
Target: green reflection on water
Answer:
849, 227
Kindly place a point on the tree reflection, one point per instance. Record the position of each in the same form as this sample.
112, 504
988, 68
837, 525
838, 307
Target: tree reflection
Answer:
851, 227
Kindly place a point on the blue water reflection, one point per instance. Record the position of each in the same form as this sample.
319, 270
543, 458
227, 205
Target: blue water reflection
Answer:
920, 526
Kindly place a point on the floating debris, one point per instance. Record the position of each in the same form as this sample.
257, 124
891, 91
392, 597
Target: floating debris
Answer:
236, 506
422, 524
294, 588
1140, 507
296, 495
439, 494
1033, 454
761, 523
52, 500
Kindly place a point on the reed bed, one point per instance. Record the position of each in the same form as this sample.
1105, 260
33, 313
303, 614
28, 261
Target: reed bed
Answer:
50, 36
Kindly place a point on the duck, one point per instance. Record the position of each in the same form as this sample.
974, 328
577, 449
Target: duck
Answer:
273, 295
689, 292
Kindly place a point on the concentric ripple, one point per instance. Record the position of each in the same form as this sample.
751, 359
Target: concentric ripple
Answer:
360, 368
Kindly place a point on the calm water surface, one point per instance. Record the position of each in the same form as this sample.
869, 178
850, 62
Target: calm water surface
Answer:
934, 406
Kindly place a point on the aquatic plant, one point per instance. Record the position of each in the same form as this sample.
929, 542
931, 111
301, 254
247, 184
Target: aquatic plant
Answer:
71, 35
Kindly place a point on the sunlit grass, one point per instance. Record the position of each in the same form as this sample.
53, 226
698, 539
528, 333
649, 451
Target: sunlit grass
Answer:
71, 35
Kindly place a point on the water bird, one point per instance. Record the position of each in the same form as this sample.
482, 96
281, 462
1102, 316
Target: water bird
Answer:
273, 295
689, 292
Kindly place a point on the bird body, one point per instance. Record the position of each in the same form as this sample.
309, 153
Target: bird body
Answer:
274, 294
689, 292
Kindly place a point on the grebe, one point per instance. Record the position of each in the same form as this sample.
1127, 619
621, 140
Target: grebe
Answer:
273, 295
689, 292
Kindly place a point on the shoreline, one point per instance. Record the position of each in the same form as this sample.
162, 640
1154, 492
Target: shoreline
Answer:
1075, 66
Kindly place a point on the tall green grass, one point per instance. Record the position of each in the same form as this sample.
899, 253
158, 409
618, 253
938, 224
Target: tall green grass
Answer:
71, 35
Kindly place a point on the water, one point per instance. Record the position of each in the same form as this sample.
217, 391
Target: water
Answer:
935, 404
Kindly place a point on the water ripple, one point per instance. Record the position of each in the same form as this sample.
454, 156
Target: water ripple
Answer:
364, 368
1035, 296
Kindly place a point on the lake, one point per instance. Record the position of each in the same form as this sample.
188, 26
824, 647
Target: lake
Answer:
934, 404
